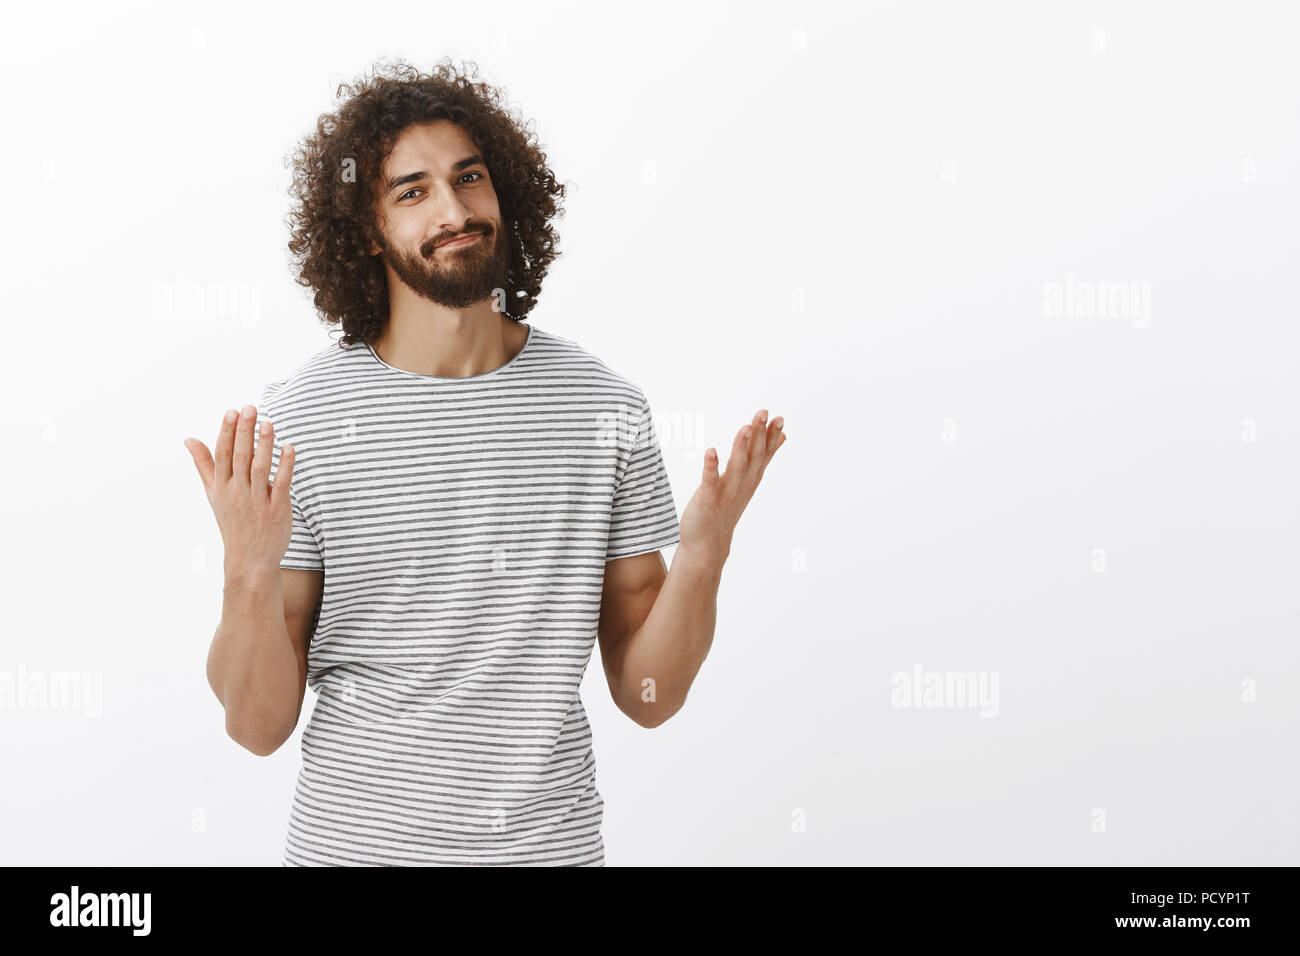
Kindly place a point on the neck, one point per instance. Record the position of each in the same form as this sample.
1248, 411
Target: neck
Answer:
449, 343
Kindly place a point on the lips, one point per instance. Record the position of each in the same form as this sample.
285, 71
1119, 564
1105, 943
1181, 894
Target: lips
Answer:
461, 241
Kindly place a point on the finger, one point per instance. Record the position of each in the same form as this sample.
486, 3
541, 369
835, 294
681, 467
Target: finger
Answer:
225, 445
283, 476
261, 472
243, 455
710, 478
202, 461
739, 452
775, 438
758, 439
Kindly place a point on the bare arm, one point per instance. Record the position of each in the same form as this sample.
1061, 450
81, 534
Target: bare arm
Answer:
257, 665
656, 628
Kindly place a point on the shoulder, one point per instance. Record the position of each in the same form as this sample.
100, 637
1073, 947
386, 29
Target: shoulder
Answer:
563, 356
311, 384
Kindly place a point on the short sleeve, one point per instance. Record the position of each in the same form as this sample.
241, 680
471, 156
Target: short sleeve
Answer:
304, 551
644, 515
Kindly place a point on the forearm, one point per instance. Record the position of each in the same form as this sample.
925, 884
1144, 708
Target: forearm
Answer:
665, 653
252, 666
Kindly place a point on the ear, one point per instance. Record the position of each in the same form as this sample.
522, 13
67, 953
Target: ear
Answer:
373, 246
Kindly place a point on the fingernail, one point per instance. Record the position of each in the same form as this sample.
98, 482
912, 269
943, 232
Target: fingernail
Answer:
266, 428
763, 416
231, 416
778, 422
248, 411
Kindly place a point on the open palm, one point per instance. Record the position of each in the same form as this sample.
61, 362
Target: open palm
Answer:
710, 517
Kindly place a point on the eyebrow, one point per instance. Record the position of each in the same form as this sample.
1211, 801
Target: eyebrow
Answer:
475, 160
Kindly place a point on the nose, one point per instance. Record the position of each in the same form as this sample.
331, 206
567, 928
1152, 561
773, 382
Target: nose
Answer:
450, 213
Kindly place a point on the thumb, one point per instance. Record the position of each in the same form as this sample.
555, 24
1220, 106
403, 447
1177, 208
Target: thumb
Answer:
710, 476
203, 462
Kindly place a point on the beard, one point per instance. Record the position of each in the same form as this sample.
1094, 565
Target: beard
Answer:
457, 277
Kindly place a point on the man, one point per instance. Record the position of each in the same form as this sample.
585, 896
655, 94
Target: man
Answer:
437, 517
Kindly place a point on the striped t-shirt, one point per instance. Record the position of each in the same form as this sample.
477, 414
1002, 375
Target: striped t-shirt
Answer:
463, 525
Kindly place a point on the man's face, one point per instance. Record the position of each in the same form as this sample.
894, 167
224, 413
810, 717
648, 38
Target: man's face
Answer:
435, 187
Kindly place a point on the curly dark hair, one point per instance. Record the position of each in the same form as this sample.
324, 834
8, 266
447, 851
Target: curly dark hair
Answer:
333, 221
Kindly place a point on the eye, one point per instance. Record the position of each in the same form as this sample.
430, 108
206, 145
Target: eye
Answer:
409, 192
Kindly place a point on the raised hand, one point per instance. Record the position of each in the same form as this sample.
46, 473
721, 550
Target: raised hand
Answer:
710, 517
253, 513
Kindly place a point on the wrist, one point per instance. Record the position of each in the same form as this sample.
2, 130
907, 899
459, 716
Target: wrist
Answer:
248, 578
706, 559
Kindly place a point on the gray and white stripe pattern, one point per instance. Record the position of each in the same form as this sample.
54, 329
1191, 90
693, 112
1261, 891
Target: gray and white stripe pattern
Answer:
463, 525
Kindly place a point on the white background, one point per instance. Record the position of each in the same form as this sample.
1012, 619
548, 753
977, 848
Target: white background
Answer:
847, 214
